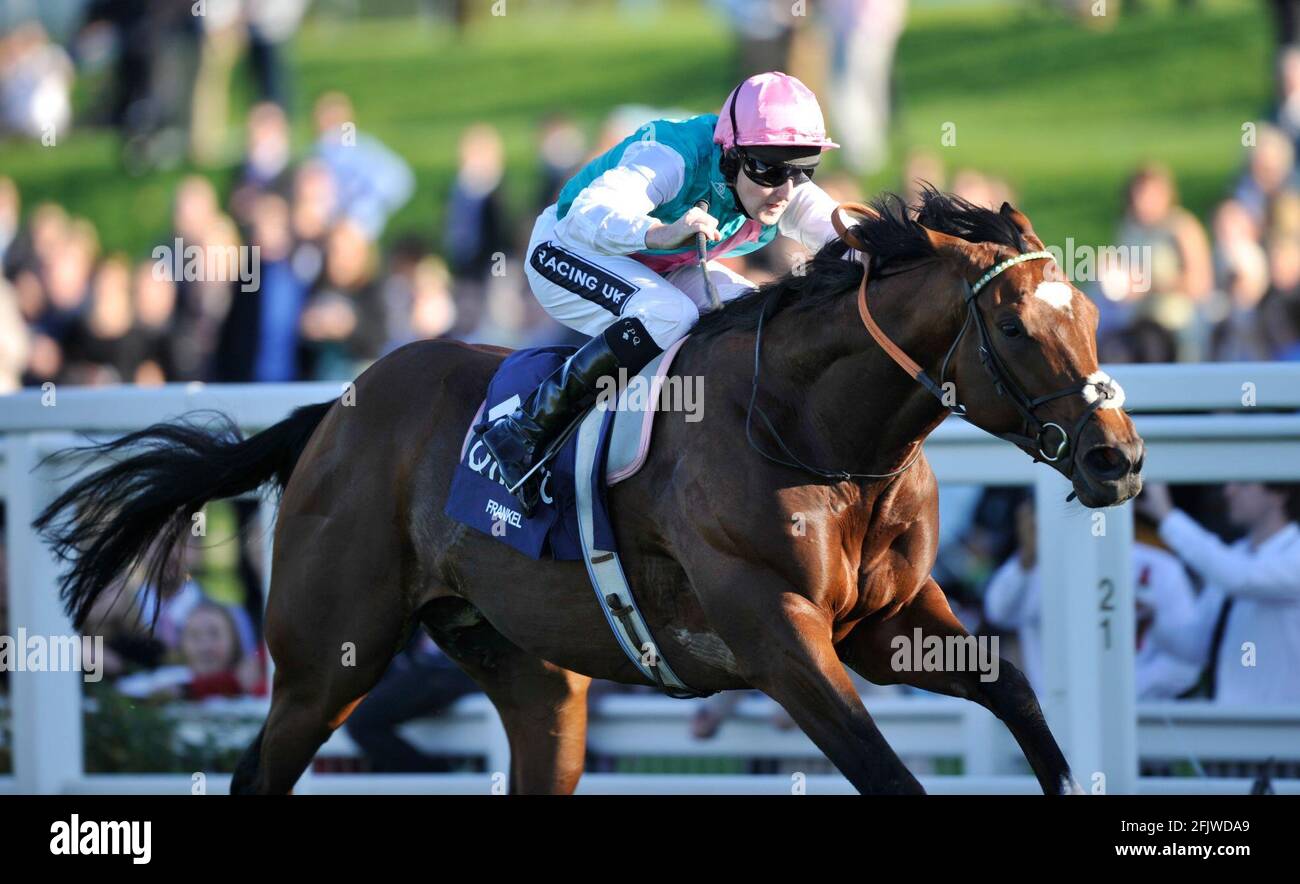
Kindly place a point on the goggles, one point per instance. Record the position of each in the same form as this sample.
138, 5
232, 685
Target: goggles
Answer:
774, 174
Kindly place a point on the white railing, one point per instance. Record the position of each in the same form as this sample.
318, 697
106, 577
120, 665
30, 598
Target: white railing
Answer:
1088, 699
925, 729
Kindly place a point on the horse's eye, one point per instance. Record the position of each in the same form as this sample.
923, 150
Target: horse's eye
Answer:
1010, 329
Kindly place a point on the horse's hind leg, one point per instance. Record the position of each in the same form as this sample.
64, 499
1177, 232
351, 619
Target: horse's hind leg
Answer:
335, 618
869, 649
543, 707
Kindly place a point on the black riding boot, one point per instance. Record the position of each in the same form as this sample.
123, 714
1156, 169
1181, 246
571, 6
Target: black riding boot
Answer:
516, 440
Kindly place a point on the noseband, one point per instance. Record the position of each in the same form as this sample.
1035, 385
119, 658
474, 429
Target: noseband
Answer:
1038, 433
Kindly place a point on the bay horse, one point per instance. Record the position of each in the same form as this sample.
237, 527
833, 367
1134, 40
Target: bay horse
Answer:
733, 595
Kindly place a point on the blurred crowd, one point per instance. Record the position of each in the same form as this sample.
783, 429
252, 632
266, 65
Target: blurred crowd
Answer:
279, 280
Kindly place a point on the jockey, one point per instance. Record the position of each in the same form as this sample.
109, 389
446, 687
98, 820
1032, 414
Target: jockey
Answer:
616, 256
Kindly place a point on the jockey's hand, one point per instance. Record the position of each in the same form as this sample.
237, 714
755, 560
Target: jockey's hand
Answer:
683, 230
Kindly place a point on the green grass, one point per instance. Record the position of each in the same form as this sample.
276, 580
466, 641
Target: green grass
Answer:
1061, 111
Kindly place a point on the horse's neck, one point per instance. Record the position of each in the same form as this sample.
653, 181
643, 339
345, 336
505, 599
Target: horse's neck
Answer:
846, 400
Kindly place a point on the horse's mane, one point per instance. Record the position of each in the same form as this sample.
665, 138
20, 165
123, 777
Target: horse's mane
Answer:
894, 235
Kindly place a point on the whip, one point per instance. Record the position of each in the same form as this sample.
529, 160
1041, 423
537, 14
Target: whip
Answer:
701, 246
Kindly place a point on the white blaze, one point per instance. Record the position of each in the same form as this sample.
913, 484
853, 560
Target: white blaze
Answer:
1058, 294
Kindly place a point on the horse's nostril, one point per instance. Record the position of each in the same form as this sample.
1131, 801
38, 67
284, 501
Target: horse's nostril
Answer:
1106, 462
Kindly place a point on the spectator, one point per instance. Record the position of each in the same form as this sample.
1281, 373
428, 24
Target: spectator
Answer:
1285, 220
260, 335
1232, 224
221, 38
1287, 332
156, 44
343, 323
266, 161
421, 681
212, 662
155, 307
211, 649
1277, 309
561, 147
1246, 622
1241, 335
863, 35
476, 230
315, 206
270, 25
52, 282
764, 31
1013, 600
1270, 172
417, 297
983, 537
1179, 262
1143, 340
433, 311
371, 181
67, 252
10, 204
200, 302
35, 84
1283, 267
105, 347
14, 341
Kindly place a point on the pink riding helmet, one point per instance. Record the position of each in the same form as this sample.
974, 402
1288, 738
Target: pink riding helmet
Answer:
772, 109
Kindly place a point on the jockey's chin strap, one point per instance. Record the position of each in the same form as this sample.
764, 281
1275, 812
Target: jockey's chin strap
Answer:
1038, 435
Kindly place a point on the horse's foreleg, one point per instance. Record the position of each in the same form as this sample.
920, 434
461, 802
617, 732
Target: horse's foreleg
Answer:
782, 644
870, 648
543, 707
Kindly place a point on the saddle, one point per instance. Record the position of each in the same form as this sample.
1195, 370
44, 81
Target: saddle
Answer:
608, 445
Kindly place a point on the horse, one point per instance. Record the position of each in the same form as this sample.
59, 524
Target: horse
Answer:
736, 594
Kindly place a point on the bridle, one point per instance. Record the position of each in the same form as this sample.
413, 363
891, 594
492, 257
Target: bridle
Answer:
1037, 435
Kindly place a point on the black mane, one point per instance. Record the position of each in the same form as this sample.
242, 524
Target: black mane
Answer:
893, 236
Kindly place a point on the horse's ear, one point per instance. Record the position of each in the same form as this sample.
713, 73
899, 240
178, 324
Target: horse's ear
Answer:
1026, 229
966, 255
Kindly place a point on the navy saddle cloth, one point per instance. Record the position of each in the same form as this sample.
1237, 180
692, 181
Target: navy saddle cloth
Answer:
479, 497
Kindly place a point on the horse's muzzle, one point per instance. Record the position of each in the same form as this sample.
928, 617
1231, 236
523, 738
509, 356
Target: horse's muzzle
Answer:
1107, 474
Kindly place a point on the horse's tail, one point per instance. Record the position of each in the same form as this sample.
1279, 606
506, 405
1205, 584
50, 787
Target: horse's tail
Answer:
133, 512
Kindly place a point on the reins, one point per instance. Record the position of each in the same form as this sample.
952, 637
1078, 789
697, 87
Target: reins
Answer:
795, 462
1004, 382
